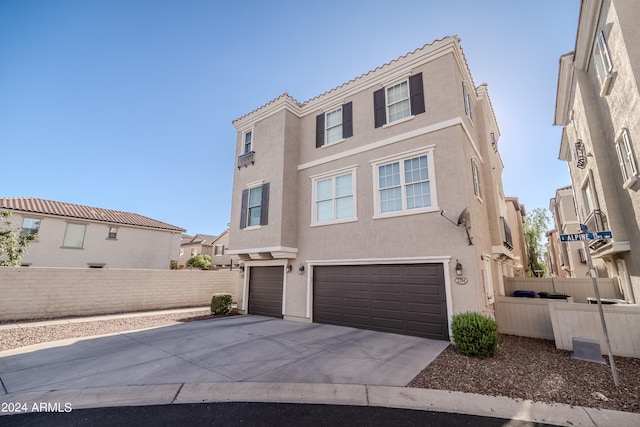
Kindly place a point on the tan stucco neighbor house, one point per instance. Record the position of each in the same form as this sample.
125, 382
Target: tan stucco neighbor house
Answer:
355, 207
76, 236
598, 107
214, 246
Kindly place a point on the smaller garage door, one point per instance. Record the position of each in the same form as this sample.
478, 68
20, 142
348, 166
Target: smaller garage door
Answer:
265, 291
403, 299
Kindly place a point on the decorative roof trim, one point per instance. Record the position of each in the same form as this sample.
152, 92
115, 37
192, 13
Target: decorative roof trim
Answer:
409, 61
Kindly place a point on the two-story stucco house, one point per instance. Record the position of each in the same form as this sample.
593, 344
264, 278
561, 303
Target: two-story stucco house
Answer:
598, 106
377, 204
214, 246
77, 236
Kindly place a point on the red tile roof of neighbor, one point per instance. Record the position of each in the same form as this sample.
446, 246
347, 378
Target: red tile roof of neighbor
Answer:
70, 210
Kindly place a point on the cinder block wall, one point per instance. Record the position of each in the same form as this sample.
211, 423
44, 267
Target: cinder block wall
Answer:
40, 293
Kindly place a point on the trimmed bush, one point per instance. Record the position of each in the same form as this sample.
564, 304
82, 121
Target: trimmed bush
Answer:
474, 334
221, 303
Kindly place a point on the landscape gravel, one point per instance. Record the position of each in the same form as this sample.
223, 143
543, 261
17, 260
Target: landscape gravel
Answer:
533, 369
524, 368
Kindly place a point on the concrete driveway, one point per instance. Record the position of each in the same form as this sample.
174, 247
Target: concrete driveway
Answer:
237, 349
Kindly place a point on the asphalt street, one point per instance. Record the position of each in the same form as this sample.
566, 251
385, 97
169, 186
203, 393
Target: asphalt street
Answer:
256, 414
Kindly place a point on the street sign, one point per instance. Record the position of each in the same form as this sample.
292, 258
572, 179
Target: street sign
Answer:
583, 228
576, 237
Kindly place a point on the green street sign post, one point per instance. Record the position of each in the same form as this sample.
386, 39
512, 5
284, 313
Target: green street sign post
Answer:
585, 236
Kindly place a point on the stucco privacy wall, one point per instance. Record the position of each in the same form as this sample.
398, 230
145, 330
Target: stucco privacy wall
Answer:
32, 293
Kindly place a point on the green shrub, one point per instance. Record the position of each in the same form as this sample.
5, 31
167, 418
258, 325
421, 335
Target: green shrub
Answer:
474, 334
221, 303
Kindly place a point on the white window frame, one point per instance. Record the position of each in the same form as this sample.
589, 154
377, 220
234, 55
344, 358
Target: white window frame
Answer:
333, 175
626, 159
30, 230
327, 128
475, 173
66, 244
112, 235
603, 64
244, 142
468, 107
249, 207
589, 199
218, 250
388, 105
401, 157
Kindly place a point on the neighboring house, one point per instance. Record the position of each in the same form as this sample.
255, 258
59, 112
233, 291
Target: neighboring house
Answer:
338, 210
569, 258
598, 106
78, 236
515, 213
214, 246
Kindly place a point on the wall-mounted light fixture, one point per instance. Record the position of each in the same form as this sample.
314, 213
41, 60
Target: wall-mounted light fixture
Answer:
289, 268
301, 269
458, 268
242, 267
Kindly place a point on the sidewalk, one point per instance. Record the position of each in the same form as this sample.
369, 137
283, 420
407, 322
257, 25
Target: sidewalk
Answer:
137, 390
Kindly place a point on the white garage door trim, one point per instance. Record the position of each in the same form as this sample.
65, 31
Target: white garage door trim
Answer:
245, 283
445, 260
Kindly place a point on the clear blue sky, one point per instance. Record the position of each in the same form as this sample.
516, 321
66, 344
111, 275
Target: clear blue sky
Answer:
128, 104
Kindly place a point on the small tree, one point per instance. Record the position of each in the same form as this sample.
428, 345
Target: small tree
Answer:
13, 244
201, 261
535, 226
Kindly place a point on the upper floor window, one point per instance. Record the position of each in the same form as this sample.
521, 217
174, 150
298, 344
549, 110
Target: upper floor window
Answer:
405, 185
334, 125
602, 61
588, 196
247, 142
74, 236
30, 226
334, 198
399, 101
626, 159
113, 233
475, 171
194, 251
468, 107
255, 206
218, 250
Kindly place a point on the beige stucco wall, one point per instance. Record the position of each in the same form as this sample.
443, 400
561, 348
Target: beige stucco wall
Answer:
37, 293
134, 247
287, 158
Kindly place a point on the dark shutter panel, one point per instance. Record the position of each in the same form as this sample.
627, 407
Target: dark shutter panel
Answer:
417, 94
379, 108
347, 120
243, 208
319, 130
264, 205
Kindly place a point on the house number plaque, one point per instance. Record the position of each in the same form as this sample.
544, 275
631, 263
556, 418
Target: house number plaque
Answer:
462, 280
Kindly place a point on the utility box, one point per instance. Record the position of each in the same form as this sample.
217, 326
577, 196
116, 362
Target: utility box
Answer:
587, 350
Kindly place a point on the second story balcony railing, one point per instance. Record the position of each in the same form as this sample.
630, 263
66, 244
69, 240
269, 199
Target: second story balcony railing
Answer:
597, 221
508, 240
246, 159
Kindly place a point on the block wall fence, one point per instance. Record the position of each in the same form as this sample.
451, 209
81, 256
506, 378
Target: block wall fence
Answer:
42, 293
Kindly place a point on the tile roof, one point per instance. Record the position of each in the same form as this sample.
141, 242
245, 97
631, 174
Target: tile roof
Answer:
69, 210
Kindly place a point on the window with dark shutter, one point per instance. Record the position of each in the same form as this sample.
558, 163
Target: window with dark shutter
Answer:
319, 130
379, 108
347, 120
416, 93
254, 206
243, 209
264, 212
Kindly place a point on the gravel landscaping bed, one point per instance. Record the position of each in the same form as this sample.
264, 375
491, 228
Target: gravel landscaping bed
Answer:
525, 368
533, 369
29, 335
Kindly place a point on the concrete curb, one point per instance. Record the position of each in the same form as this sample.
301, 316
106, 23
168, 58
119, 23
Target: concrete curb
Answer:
328, 394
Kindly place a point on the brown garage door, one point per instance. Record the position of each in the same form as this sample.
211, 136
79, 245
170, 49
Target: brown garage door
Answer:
405, 299
265, 291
